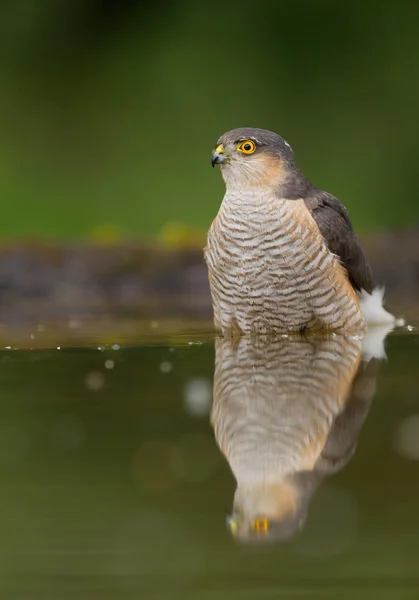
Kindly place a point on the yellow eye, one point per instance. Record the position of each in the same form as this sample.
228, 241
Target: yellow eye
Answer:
247, 147
260, 525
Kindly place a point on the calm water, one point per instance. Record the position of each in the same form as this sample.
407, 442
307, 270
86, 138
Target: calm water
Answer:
116, 478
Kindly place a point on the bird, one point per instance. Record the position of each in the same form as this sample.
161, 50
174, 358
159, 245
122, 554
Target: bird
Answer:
282, 254
287, 412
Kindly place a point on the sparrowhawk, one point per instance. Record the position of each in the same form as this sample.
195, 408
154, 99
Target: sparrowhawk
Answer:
282, 254
287, 412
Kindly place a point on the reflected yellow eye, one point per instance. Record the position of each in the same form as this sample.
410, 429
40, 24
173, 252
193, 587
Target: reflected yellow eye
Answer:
247, 147
260, 525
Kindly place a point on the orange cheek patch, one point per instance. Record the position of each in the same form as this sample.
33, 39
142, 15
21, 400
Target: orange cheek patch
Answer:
269, 169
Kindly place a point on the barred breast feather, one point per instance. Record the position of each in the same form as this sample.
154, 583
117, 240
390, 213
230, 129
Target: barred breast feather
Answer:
287, 413
271, 270
275, 401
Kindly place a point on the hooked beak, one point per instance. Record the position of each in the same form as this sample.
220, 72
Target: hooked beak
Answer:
232, 523
218, 156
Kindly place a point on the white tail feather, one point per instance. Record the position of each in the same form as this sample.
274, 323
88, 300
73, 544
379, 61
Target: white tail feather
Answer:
373, 343
372, 308
380, 322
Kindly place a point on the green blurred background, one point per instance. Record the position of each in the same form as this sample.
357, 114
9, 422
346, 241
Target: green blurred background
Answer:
109, 109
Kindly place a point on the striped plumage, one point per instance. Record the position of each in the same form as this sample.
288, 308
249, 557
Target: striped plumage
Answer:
282, 255
269, 268
277, 403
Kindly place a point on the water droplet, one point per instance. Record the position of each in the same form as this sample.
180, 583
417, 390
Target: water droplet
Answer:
109, 364
94, 381
166, 366
116, 347
406, 438
197, 397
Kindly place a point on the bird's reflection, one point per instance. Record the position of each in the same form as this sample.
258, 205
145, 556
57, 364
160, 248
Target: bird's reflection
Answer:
286, 413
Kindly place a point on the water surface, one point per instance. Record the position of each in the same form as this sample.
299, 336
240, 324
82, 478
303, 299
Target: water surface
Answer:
116, 481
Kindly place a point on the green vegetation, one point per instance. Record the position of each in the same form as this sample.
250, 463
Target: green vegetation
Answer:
109, 111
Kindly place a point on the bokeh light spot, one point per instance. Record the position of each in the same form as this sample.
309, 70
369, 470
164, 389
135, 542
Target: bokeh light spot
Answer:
197, 397
94, 381
406, 438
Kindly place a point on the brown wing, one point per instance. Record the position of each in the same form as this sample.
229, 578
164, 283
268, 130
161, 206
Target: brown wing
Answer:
343, 438
333, 221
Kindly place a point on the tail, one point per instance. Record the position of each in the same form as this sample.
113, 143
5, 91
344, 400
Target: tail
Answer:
373, 343
372, 308
380, 322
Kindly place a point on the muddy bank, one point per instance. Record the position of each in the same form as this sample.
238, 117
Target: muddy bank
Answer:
47, 281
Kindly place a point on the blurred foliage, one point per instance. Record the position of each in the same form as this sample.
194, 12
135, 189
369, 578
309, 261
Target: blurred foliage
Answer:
179, 235
109, 109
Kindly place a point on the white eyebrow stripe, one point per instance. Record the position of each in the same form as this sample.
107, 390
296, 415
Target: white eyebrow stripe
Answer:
242, 139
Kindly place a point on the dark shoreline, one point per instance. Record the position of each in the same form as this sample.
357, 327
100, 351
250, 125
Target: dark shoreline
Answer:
40, 280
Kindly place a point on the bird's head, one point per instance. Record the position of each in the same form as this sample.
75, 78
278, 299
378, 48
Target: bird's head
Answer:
266, 513
251, 157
